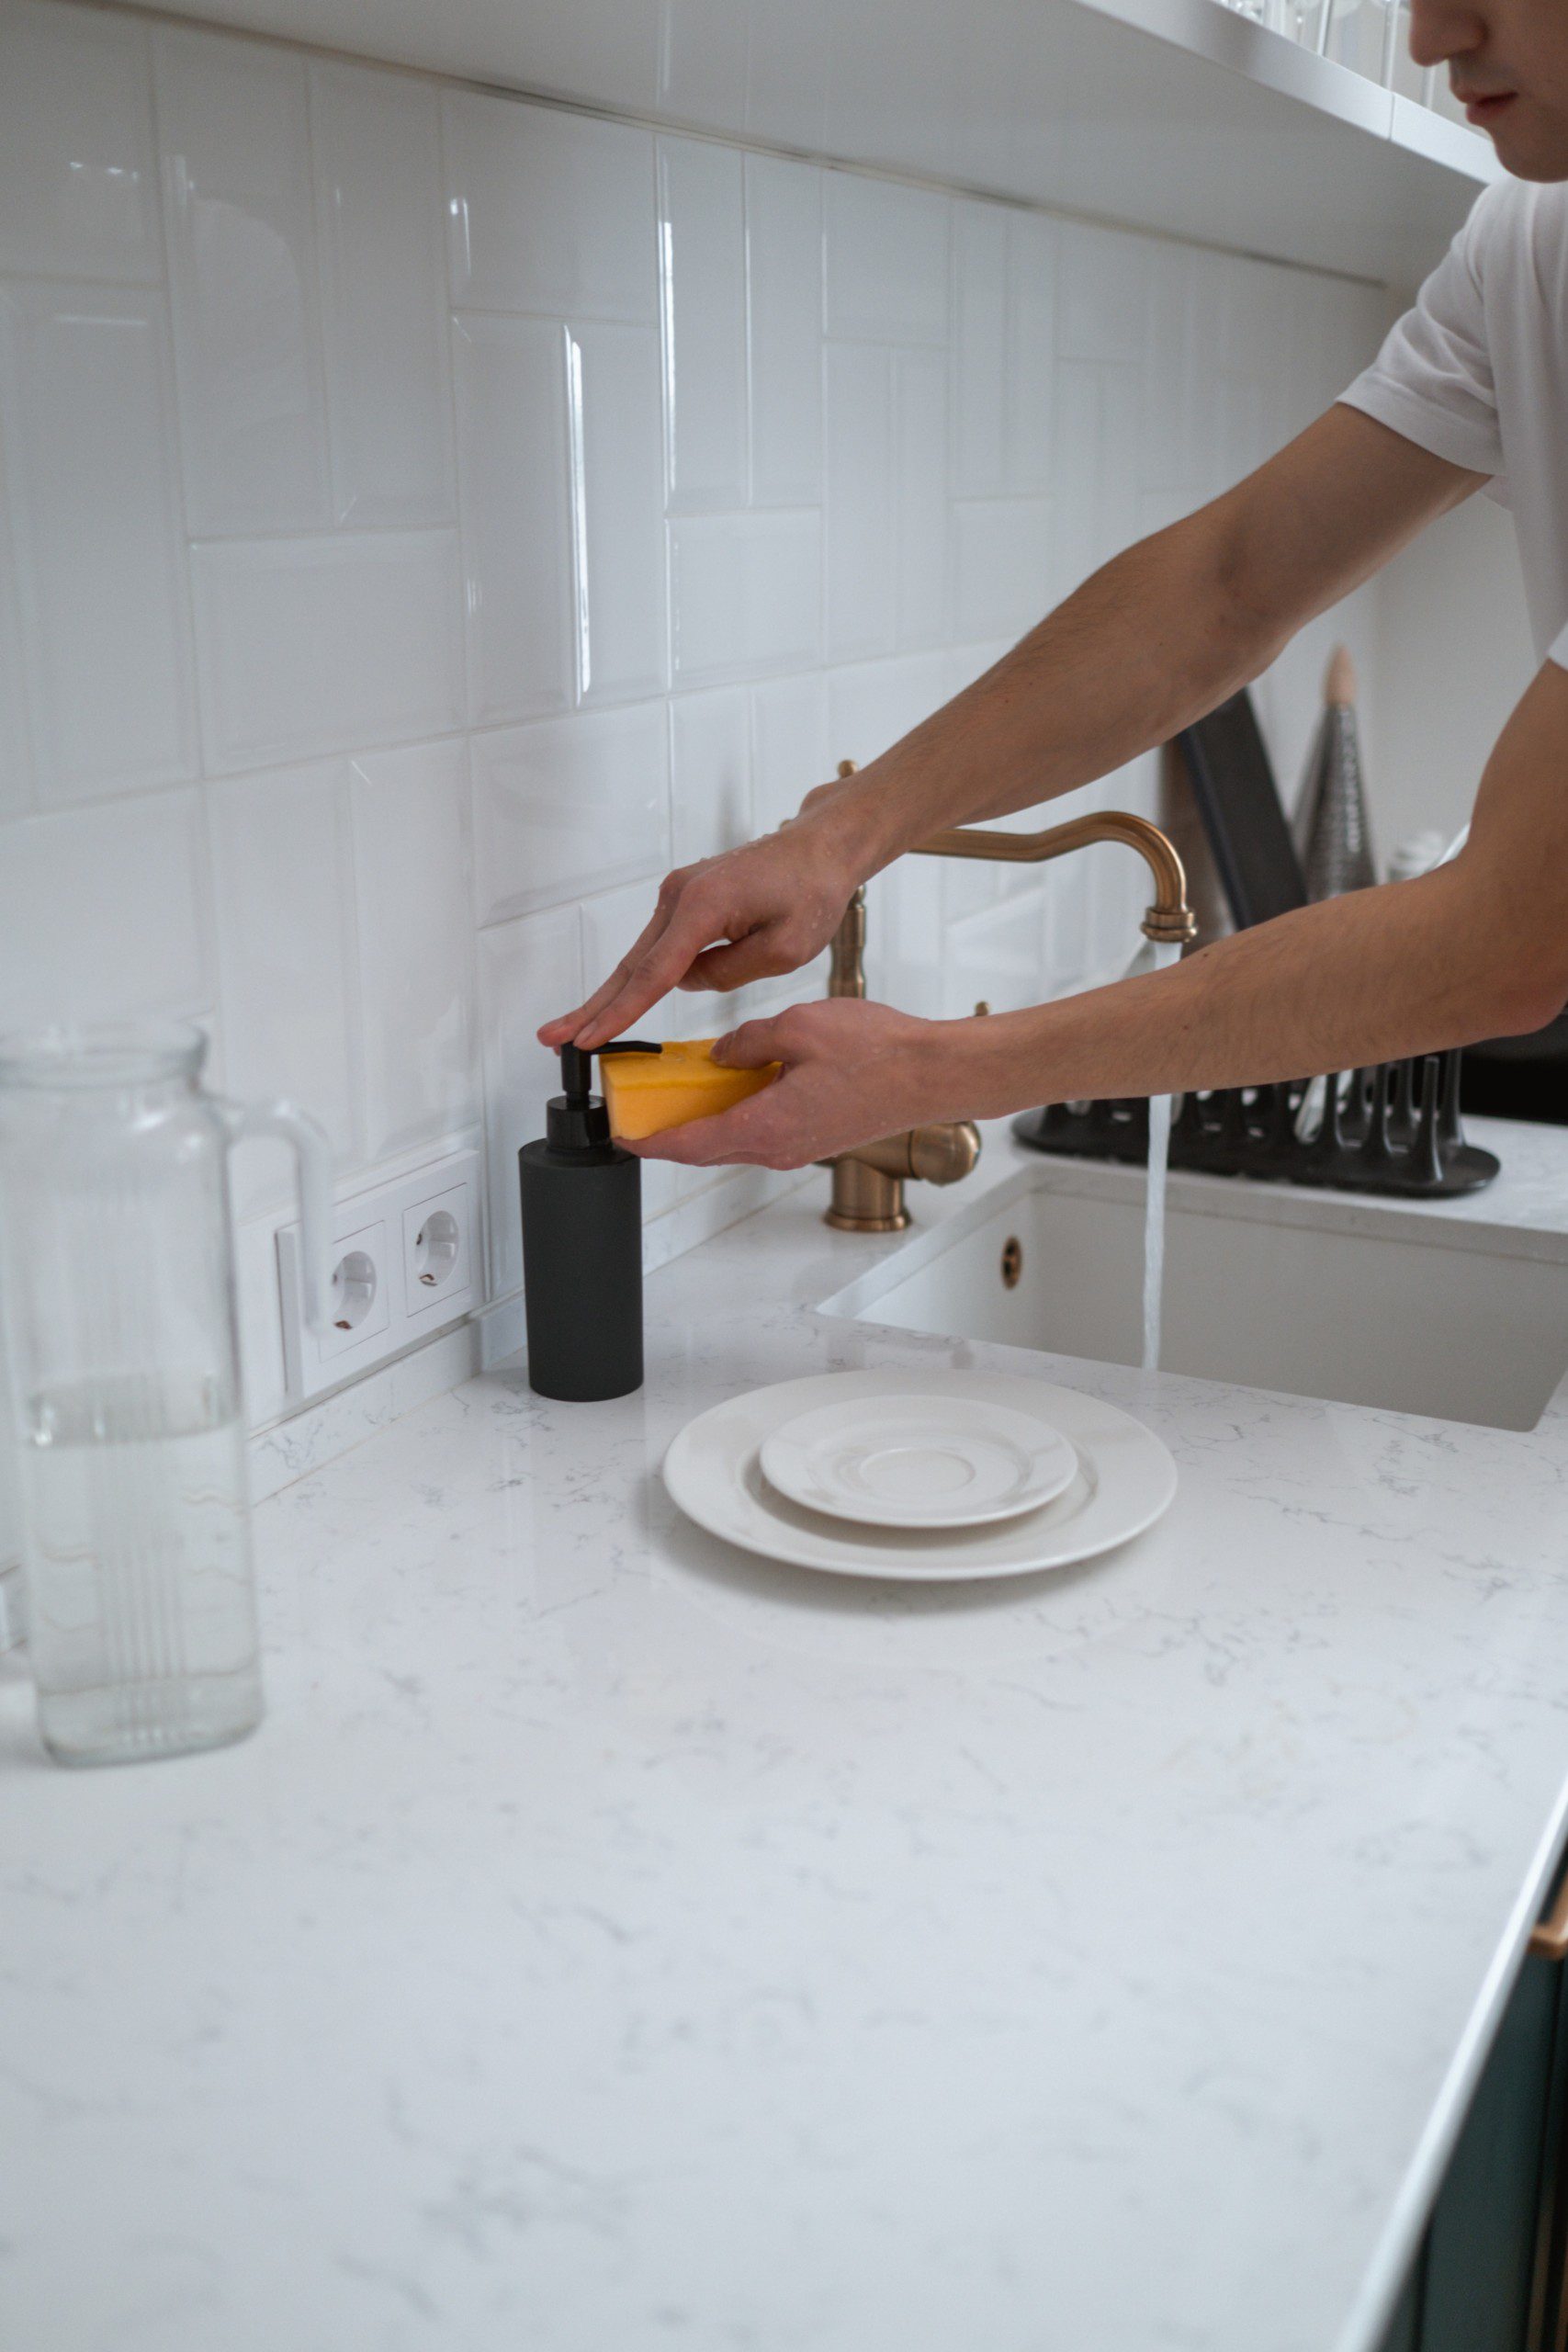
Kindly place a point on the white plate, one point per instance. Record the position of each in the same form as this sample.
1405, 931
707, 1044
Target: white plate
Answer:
950, 1459
1124, 1480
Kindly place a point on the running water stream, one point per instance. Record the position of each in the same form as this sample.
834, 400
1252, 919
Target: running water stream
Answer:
1154, 1196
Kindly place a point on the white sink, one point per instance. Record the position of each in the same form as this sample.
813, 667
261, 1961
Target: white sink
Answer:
1319, 1295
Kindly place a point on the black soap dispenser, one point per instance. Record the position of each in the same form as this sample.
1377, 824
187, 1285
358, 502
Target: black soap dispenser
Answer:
582, 1244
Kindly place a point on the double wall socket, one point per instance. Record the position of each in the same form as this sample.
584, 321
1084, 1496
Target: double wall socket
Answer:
405, 1258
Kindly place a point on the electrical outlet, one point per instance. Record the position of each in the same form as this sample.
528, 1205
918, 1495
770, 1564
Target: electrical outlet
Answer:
404, 1256
438, 1251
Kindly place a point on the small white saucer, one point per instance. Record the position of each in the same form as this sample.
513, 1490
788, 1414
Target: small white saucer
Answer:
949, 1459
1124, 1480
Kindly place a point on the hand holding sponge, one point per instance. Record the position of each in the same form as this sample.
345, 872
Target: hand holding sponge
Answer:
648, 1093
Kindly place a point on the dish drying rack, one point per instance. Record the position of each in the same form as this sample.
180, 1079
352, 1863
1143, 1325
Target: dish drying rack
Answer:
1394, 1127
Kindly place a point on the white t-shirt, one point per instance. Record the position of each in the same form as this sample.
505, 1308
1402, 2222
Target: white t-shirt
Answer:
1478, 373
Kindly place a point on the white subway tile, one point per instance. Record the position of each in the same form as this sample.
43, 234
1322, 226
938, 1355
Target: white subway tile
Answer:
16, 736
997, 957
1095, 506
547, 211
234, 132
710, 774
103, 914
872, 704
1104, 285
288, 1020
618, 520
862, 555
919, 410
702, 61
703, 250
746, 591
515, 474
568, 806
414, 925
789, 746
887, 261
86, 413
78, 176
784, 281
361, 638
1002, 566
528, 972
377, 140
979, 350
1031, 357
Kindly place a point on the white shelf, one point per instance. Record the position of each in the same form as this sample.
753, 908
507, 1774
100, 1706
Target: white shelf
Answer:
1174, 114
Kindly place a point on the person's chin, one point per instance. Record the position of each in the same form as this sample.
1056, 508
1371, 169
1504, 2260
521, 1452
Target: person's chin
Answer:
1528, 146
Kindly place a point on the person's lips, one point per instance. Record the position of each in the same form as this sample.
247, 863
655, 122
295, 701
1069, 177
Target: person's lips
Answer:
1484, 107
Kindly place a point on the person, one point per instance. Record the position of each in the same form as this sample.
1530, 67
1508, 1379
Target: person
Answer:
1471, 388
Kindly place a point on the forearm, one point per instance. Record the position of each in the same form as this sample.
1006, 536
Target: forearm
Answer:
1367, 977
1150, 642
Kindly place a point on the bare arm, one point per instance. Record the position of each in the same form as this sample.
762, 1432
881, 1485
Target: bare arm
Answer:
1479, 948
1160, 636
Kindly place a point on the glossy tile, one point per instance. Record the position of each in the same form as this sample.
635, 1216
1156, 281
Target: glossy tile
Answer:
413, 917
362, 643
710, 774
234, 134
547, 210
861, 572
86, 418
289, 1017
568, 806
979, 350
746, 594
920, 505
703, 270
529, 971
617, 512
1102, 288
78, 174
783, 299
872, 704
887, 261
790, 752
1031, 307
1002, 568
103, 914
514, 463
376, 143
1095, 506
16, 735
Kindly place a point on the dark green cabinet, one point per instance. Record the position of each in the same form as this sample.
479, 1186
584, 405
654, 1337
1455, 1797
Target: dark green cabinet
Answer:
1489, 2275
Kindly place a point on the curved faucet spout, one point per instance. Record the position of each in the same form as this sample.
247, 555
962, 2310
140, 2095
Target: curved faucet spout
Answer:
1170, 920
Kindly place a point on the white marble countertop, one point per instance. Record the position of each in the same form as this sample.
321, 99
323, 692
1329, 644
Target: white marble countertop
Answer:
613, 1943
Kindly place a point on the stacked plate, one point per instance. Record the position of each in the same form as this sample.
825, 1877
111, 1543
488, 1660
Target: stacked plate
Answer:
920, 1475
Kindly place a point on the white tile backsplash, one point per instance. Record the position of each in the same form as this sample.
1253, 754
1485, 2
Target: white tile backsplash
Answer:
103, 914
361, 635
78, 177
282, 883
86, 415
887, 261
234, 137
549, 211
515, 450
566, 807
410, 810
702, 234
376, 143
542, 501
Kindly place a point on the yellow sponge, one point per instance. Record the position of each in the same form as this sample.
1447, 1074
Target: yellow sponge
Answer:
647, 1092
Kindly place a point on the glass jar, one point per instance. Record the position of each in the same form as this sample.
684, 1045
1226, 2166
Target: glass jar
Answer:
118, 1289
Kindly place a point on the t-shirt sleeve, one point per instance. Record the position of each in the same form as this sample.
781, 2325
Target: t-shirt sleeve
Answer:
1432, 379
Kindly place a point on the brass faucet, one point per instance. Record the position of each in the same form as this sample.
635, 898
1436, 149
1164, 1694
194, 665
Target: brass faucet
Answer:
868, 1183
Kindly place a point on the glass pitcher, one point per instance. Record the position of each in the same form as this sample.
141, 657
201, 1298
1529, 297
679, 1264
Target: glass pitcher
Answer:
117, 1274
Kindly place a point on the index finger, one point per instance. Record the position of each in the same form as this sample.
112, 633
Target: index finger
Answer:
564, 1028
648, 973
